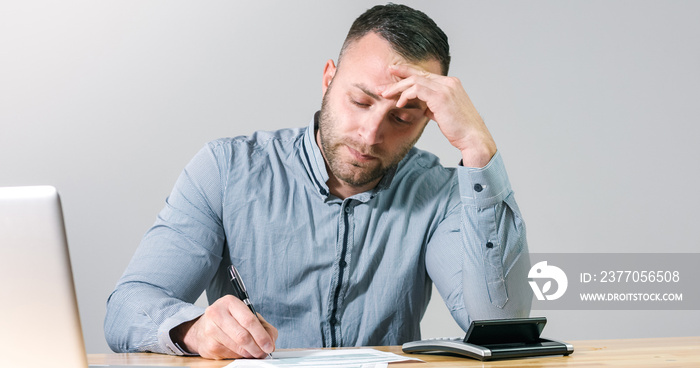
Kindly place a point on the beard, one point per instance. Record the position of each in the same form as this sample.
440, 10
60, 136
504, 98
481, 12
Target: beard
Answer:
353, 172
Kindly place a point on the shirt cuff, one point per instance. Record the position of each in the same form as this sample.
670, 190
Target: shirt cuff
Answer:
184, 315
486, 186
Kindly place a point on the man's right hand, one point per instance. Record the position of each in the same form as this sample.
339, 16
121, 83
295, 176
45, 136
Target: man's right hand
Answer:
227, 329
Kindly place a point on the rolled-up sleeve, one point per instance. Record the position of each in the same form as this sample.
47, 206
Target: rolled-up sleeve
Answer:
478, 257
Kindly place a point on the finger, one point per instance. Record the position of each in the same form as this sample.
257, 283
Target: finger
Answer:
409, 94
391, 90
407, 70
417, 92
224, 337
219, 345
238, 338
271, 330
257, 340
212, 341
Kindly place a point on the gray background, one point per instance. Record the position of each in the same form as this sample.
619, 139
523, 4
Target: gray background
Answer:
591, 103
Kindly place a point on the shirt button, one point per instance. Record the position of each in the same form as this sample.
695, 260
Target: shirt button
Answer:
333, 320
323, 191
478, 187
343, 263
489, 245
347, 209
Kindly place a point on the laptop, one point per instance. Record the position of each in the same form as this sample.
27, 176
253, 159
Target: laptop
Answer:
41, 325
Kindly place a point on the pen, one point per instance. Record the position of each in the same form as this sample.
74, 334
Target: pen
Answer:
241, 292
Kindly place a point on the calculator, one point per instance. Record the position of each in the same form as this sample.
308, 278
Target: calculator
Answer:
495, 339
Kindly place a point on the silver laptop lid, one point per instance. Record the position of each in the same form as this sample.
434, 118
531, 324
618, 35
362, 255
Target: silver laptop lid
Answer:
41, 325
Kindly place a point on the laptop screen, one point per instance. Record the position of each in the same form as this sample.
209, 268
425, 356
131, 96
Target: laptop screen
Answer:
41, 325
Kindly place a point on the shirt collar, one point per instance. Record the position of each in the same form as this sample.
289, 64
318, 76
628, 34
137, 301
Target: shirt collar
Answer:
316, 166
313, 159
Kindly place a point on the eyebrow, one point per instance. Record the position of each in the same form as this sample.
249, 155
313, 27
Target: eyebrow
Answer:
365, 90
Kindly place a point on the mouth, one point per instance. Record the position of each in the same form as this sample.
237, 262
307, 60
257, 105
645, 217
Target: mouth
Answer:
359, 156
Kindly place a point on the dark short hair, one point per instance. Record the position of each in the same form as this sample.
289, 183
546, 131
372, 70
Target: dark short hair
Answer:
411, 33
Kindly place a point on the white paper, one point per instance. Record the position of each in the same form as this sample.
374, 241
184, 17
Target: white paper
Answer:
341, 358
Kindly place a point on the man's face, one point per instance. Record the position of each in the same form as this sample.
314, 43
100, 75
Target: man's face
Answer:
363, 135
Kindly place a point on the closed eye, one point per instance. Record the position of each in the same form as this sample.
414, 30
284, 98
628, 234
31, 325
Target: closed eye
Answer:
361, 104
400, 120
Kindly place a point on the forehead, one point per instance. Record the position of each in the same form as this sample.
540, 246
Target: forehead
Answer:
371, 55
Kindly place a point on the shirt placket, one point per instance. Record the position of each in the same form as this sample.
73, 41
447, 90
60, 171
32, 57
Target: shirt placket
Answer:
339, 282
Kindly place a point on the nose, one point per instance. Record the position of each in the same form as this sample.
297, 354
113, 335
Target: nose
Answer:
371, 130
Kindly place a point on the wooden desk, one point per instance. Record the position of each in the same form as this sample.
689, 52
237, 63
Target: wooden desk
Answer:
657, 352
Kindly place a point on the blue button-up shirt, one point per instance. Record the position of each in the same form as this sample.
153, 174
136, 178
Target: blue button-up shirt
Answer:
324, 271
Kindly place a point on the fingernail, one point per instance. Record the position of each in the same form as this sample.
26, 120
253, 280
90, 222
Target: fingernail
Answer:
268, 348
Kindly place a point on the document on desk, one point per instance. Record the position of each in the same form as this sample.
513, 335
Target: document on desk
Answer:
342, 358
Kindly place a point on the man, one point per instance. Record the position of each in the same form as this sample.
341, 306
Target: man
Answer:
337, 228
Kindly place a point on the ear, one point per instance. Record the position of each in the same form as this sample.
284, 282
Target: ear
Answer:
328, 74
